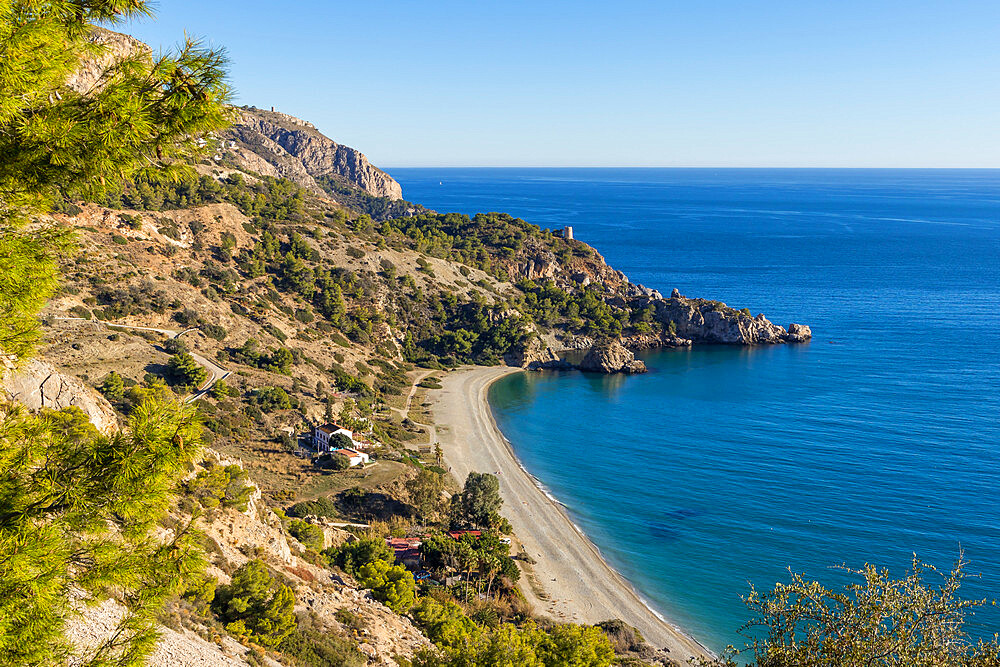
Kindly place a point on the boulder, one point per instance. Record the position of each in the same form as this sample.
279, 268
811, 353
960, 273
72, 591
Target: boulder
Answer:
611, 357
534, 356
798, 333
36, 384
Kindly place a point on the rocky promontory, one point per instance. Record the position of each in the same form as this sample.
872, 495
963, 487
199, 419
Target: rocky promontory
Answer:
706, 321
283, 146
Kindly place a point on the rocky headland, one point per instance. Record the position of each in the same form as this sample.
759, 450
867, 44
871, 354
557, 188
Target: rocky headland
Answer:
277, 144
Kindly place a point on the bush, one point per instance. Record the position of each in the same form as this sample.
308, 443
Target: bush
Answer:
113, 387
322, 507
220, 486
393, 585
269, 399
332, 461
352, 556
306, 533
175, 346
319, 647
184, 371
256, 606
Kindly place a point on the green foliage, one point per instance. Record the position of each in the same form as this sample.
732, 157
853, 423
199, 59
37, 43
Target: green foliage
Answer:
267, 199
113, 387
275, 360
392, 585
220, 486
479, 502
322, 507
269, 399
445, 623
425, 492
308, 534
184, 371
313, 645
28, 271
77, 511
221, 390
352, 556
256, 605
509, 646
142, 111
877, 621
340, 441
175, 346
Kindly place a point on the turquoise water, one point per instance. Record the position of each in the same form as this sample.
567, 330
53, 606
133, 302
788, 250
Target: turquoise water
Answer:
724, 466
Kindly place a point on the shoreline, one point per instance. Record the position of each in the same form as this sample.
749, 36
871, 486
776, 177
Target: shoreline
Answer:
570, 581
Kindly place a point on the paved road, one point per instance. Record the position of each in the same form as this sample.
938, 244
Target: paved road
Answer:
215, 371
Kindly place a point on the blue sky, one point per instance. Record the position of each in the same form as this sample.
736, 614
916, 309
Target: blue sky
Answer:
696, 83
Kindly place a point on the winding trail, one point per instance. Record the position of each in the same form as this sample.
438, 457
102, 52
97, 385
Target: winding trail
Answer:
404, 412
214, 370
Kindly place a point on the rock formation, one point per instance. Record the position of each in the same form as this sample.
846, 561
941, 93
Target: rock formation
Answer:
611, 357
535, 356
37, 384
704, 321
276, 144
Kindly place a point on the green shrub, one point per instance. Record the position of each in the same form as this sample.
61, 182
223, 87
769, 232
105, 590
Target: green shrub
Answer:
322, 507
269, 399
183, 371
256, 605
352, 556
308, 534
220, 486
113, 387
393, 585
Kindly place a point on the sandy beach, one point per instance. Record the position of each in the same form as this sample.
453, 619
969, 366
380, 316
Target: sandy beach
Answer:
570, 581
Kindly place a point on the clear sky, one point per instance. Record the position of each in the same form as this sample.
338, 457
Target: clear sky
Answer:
850, 83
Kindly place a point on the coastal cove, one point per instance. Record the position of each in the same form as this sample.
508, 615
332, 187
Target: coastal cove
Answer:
725, 465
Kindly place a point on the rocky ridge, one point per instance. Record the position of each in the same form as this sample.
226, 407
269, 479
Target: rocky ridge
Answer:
277, 144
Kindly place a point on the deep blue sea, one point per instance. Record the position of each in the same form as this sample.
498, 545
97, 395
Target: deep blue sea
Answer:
723, 465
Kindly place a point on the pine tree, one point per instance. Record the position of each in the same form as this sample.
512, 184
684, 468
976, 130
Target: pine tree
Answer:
143, 113
76, 511
78, 508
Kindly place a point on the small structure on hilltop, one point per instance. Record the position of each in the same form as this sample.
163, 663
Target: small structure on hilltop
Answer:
354, 456
568, 233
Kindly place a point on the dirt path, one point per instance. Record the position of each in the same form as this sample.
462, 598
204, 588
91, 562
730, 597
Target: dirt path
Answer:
404, 412
214, 370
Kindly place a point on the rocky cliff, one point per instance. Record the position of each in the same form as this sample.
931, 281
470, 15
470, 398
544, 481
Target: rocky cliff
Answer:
276, 144
705, 321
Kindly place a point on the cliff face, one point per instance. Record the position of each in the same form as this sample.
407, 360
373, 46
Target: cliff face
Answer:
276, 144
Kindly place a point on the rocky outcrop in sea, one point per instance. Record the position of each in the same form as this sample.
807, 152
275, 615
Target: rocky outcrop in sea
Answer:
611, 357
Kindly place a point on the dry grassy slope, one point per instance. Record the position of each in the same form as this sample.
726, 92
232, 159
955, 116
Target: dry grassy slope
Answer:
152, 246
234, 537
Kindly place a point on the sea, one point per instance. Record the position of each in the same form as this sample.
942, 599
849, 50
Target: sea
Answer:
730, 467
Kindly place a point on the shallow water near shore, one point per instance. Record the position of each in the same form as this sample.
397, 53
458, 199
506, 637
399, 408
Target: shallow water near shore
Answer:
724, 465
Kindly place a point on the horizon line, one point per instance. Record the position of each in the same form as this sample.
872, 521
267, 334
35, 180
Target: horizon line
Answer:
613, 166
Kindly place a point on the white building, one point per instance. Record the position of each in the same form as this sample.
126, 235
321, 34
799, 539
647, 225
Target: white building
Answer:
322, 435
353, 455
